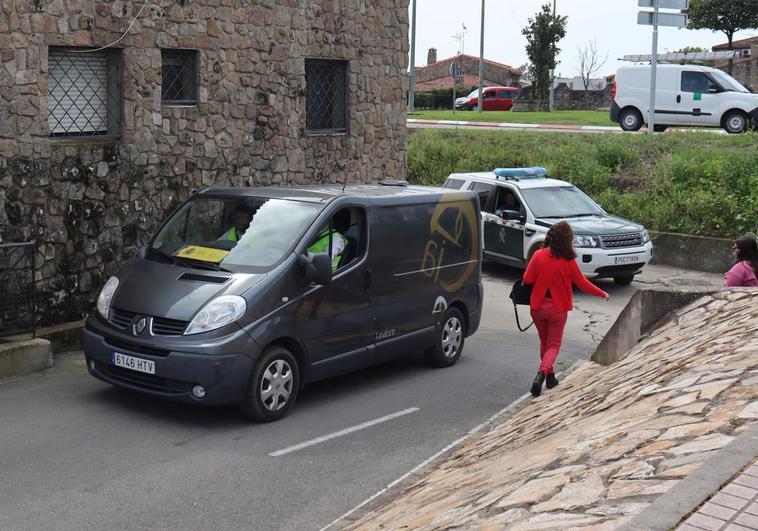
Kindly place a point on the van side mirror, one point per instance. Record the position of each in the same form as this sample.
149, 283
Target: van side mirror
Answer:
713, 89
514, 215
317, 268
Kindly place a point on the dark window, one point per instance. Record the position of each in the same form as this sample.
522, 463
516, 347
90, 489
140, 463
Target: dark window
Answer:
84, 92
326, 102
483, 190
179, 77
507, 200
347, 239
695, 82
453, 183
503, 94
489, 95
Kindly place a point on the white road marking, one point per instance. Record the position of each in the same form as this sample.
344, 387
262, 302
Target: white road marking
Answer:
346, 431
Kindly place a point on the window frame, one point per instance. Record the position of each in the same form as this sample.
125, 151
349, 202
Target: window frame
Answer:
195, 56
345, 81
484, 206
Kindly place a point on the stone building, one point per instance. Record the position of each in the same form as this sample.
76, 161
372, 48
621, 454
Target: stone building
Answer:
98, 145
436, 74
744, 70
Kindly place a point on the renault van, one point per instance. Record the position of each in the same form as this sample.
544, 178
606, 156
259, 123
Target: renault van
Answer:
686, 95
246, 294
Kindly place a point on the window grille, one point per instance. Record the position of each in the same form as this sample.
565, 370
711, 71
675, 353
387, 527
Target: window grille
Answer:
326, 102
84, 92
179, 77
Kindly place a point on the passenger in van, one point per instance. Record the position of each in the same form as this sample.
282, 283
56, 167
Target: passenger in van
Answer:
240, 222
340, 225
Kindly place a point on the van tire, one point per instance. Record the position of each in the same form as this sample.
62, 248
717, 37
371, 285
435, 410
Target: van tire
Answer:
448, 343
623, 280
630, 119
278, 368
735, 122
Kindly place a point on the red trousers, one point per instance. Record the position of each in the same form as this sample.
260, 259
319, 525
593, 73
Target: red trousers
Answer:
550, 324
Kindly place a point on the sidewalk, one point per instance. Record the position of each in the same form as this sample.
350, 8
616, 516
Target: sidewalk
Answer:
508, 125
733, 508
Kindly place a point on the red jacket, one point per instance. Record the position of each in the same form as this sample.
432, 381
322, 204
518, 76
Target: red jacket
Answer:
545, 271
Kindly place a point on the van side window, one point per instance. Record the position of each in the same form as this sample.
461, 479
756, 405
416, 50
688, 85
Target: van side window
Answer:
484, 191
346, 242
507, 200
453, 183
503, 94
490, 95
695, 82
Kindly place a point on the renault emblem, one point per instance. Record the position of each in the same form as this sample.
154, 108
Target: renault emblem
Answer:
139, 326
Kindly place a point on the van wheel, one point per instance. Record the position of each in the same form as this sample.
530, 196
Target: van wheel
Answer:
273, 386
623, 280
449, 342
735, 122
630, 120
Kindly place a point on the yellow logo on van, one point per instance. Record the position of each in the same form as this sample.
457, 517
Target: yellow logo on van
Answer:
454, 226
204, 254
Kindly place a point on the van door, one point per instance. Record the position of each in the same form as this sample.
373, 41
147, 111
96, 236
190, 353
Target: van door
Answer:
489, 103
700, 97
668, 107
336, 321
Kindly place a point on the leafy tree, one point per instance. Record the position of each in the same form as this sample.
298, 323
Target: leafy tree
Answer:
542, 35
727, 16
692, 49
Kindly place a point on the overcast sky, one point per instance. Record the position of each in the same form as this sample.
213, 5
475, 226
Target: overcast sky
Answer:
613, 23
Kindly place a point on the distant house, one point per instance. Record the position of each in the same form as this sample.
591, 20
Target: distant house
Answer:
745, 69
436, 74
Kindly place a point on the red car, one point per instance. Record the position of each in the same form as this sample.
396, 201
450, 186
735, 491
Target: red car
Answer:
495, 99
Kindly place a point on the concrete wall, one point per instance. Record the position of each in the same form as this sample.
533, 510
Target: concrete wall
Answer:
89, 204
700, 253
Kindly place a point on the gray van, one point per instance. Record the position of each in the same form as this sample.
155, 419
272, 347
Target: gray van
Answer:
246, 294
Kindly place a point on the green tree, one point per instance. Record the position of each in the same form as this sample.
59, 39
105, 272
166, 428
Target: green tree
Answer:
726, 16
542, 35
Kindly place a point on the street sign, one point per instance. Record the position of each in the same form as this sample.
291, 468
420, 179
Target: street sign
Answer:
682, 5
455, 70
673, 20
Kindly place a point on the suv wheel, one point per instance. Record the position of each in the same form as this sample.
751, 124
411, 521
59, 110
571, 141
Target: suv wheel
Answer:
630, 120
623, 280
735, 122
449, 342
273, 386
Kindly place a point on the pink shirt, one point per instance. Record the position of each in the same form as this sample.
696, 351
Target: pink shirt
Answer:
741, 274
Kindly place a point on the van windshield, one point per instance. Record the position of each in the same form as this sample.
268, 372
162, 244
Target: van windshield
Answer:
728, 82
245, 234
559, 202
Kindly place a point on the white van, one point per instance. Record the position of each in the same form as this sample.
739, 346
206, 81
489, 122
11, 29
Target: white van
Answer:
686, 95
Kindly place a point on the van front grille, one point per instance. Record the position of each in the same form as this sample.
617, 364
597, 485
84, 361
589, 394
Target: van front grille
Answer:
121, 318
168, 327
632, 239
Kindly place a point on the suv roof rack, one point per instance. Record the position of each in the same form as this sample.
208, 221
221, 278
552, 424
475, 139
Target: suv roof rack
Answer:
515, 174
393, 182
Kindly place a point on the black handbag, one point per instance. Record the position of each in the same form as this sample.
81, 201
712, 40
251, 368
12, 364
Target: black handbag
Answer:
521, 294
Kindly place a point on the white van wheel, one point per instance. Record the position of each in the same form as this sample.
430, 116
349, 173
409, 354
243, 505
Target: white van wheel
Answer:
630, 120
449, 340
735, 122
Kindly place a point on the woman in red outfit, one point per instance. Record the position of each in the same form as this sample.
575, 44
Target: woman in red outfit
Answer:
551, 272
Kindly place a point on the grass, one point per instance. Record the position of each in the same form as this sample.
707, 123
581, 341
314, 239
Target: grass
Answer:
696, 183
555, 117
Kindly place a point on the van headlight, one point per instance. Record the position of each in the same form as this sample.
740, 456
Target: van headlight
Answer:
106, 296
645, 236
586, 241
219, 312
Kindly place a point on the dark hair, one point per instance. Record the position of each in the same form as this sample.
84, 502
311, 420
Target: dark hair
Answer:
560, 241
748, 251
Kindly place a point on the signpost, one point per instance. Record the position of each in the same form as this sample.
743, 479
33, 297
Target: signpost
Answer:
655, 19
457, 74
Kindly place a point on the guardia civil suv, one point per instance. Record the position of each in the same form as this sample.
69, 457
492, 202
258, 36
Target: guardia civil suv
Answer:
519, 205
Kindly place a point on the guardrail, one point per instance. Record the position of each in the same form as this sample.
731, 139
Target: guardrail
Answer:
18, 313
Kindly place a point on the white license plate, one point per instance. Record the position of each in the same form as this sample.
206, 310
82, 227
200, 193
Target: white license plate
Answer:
626, 259
135, 364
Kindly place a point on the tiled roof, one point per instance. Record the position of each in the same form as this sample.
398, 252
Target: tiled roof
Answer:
742, 43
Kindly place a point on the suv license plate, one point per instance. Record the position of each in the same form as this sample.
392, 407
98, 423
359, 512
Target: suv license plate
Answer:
626, 259
135, 364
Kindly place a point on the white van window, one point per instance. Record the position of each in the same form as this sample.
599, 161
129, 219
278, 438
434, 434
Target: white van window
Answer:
695, 82
729, 83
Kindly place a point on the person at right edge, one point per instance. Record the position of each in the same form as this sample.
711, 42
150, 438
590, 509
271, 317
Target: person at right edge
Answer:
551, 272
744, 273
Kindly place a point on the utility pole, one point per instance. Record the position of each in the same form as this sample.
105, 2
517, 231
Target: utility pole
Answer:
552, 70
481, 64
412, 73
653, 71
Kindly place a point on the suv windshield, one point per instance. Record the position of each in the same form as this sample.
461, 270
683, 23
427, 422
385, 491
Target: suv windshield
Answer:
559, 202
234, 233
474, 94
728, 82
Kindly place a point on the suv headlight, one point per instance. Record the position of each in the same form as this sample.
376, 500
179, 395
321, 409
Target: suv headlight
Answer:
106, 296
217, 313
645, 236
587, 241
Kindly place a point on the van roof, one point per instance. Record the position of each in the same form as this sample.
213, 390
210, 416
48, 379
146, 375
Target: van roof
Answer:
699, 68
488, 176
326, 193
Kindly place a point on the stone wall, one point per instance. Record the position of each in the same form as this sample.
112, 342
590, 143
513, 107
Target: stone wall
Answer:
89, 204
567, 99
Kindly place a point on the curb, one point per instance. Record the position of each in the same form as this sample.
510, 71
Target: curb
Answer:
509, 125
395, 488
672, 507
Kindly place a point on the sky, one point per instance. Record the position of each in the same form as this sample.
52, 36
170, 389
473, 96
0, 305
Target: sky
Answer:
613, 23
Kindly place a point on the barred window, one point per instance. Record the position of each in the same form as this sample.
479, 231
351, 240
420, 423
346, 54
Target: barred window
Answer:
326, 101
84, 92
179, 77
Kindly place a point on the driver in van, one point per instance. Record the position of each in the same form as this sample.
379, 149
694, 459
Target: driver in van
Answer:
240, 223
340, 225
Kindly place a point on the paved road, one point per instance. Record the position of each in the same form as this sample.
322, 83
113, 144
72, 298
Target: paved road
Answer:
78, 454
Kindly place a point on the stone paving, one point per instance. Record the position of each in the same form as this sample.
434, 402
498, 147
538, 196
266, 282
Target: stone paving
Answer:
733, 508
596, 450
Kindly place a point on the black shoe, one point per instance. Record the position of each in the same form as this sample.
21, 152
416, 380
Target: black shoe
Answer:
551, 381
537, 384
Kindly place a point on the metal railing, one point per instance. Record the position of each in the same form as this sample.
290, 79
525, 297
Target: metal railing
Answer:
18, 314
